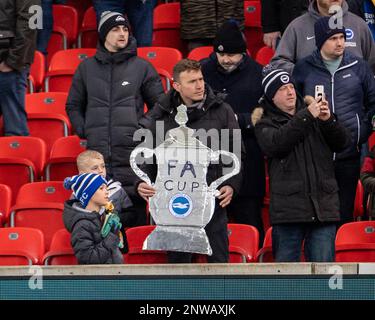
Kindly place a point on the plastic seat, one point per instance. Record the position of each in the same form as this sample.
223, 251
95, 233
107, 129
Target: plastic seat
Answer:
243, 243
166, 78
253, 27
61, 251
200, 53
160, 57
21, 161
166, 30
21, 246
5, 203
46, 116
88, 33
44, 191
265, 253
358, 202
355, 242
62, 68
37, 72
264, 55
62, 162
136, 255
81, 6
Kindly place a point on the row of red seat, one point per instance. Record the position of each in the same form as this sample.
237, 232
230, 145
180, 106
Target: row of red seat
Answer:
355, 242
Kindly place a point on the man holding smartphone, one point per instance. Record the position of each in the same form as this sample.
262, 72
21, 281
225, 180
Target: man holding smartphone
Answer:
349, 88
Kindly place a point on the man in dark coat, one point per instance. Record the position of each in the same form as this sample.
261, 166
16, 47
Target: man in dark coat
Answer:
299, 141
205, 111
107, 99
231, 71
17, 46
349, 87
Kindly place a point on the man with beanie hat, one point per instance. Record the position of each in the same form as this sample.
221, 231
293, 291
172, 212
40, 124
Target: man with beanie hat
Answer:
231, 71
299, 139
107, 99
349, 87
83, 219
298, 40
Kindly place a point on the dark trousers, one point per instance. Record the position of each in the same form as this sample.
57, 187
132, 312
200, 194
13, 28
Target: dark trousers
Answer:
248, 210
347, 174
136, 215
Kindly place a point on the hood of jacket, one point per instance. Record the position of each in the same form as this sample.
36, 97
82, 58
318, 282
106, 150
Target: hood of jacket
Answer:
73, 212
104, 56
313, 9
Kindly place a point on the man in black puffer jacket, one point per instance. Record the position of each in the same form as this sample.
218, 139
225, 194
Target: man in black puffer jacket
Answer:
299, 141
107, 99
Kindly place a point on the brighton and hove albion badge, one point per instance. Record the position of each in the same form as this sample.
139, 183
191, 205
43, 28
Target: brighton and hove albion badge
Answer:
180, 205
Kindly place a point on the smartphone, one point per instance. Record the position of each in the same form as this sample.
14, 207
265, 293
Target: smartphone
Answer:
319, 92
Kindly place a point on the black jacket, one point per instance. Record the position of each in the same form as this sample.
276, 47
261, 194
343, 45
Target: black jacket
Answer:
106, 101
303, 187
277, 14
243, 89
87, 242
215, 114
17, 39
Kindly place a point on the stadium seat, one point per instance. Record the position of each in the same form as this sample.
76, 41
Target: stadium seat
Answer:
44, 191
265, 253
37, 72
253, 27
166, 78
21, 246
243, 243
355, 242
200, 53
88, 34
358, 202
21, 161
62, 161
160, 57
5, 203
167, 27
264, 55
62, 68
136, 255
61, 251
81, 6
46, 116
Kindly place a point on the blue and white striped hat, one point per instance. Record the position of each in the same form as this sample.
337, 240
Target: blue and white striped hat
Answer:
84, 186
273, 80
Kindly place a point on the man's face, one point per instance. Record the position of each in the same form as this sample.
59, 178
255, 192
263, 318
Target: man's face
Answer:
326, 4
190, 86
229, 60
333, 47
285, 98
117, 38
95, 165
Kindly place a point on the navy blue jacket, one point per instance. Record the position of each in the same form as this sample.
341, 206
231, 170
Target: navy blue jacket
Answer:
243, 89
350, 93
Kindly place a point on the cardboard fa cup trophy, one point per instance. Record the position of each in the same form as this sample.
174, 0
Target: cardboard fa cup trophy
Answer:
183, 203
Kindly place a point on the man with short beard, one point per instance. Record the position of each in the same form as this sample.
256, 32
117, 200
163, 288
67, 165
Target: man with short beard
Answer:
349, 87
231, 71
298, 42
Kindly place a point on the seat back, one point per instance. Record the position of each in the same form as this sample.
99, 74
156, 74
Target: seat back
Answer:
358, 201
88, 34
61, 251
70, 59
200, 53
5, 203
66, 17
38, 70
45, 191
253, 27
264, 55
136, 255
243, 242
21, 246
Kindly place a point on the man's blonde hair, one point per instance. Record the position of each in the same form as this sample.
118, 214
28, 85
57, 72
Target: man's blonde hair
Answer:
85, 156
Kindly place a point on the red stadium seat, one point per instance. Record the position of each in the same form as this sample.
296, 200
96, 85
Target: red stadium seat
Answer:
166, 78
200, 53
81, 6
62, 68
253, 27
264, 55
167, 27
21, 161
265, 253
62, 162
88, 34
44, 191
5, 203
46, 116
37, 72
21, 246
355, 242
243, 243
160, 57
358, 202
61, 251
136, 255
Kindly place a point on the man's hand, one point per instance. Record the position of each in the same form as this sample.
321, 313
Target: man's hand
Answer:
325, 113
270, 39
314, 108
226, 194
145, 190
5, 68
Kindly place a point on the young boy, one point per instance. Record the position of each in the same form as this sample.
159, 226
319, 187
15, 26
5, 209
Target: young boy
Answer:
83, 218
91, 161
